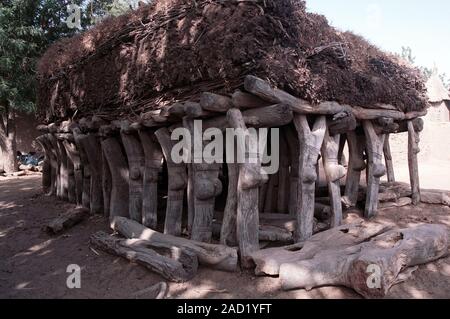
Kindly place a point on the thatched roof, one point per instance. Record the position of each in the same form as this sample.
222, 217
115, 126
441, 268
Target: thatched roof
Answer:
436, 90
174, 49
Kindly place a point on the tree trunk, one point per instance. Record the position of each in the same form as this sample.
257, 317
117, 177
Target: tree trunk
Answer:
8, 144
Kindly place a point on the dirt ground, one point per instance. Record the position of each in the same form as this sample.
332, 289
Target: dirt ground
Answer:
33, 264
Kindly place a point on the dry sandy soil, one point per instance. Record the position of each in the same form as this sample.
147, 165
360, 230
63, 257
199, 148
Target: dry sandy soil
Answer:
33, 264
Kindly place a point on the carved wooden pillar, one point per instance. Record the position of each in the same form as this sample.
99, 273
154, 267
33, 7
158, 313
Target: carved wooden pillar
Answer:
177, 184
153, 165
413, 150
250, 179
74, 156
310, 142
118, 166
388, 160
136, 162
294, 152
334, 173
356, 146
375, 170
86, 193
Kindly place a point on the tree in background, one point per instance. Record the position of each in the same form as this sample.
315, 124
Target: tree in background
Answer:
27, 28
427, 72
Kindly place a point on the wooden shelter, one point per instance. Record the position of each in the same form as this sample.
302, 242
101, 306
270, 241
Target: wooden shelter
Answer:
118, 163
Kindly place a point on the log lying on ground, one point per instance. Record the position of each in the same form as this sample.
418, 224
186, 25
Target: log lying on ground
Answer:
215, 256
268, 261
370, 268
67, 220
177, 264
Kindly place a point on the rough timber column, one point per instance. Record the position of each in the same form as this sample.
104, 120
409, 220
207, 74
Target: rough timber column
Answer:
413, 150
153, 165
388, 159
206, 187
250, 179
310, 142
177, 184
74, 155
136, 162
71, 187
118, 166
376, 169
294, 152
86, 195
334, 173
283, 178
94, 154
228, 235
356, 146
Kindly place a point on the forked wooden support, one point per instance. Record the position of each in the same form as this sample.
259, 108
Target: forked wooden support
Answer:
177, 184
249, 181
334, 173
356, 146
310, 142
136, 163
413, 150
118, 167
388, 160
153, 165
376, 168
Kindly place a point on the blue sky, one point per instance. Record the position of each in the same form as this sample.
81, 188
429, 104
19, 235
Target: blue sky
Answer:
391, 24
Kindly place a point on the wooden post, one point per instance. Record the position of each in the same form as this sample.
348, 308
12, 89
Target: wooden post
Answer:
53, 145
294, 152
118, 167
250, 178
153, 165
310, 142
177, 184
189, 124
228, 235
92, 147
206, 187
388, 160
106, 185
356, 146
63, 170
74, 155
334, 173
136, 163
86, 196
283, 176
413, 150
375, 170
